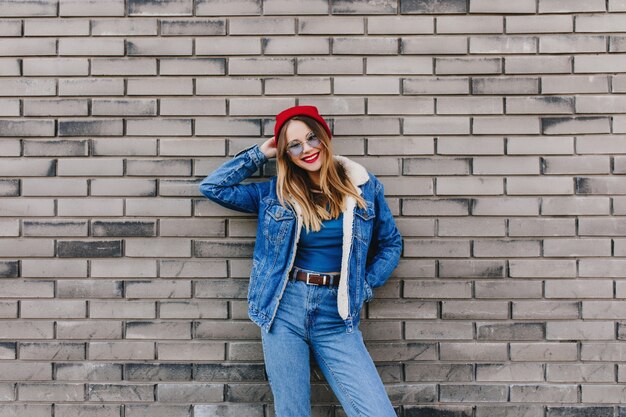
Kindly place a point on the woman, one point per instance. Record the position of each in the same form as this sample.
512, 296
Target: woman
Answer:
325, 238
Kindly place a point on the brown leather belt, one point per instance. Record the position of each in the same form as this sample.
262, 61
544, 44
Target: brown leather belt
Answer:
313, 278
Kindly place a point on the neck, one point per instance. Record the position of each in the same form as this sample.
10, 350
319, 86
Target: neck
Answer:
315, 177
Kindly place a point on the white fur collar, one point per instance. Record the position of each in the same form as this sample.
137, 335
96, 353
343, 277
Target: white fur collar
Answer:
356, 172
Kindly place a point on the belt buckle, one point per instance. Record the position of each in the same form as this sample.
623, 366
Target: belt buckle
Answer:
308, 275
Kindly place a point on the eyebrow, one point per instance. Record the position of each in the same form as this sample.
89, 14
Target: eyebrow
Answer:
296, 140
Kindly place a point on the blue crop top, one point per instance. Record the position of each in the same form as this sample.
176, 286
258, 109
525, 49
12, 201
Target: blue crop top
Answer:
321, 251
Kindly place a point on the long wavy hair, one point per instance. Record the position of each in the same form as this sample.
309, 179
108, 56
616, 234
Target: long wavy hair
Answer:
294, 184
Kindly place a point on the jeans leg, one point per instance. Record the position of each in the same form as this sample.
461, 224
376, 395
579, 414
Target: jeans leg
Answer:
347, 365
287, 353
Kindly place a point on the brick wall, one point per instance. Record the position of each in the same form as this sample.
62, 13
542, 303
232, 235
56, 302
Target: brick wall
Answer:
497, 127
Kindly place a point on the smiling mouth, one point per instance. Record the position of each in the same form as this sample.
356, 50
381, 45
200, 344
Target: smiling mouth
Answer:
312, 158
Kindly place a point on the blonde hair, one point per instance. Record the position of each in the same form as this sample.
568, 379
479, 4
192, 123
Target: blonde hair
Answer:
294, 184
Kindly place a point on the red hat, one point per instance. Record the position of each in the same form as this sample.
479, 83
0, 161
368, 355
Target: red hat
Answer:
311, 111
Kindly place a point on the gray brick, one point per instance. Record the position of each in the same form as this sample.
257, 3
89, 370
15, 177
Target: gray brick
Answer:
228, 46
544, 393
133, 147
64, 268
502, 45
128, 228
150, 127
26, 247
509, 165
193, 269
159, 330
8, 310
119, 268
33, 371
9, 107
602, 268
196, 107
9, 66
34, 410
602, 309
195, 393
575, 205
262, 26
160, 86
539, 185
577, 330
330, 65
130, 350
600, 144
157, 372
468, 65
470, 105
123, 66
408, 309
503, 125
539, 24
301, 85
616, 5
521, 268
536, 310
91, 87
89, 166
574, 84
9, 127
470, 24
474, 393
436, 85
163, 7
28, 47
27, 207
88, 372
55, 147
91, 8
542, 227
26, 329
54, 187
192, 66
99, 127
445, 6
507, 289
438, 372
521, 372
95, 410
546, 351
41, 309
510, 331
9, 269
572, 44
10, 188
331, 25
123, 392
228, 410
468, 310
158, 207
221, 329
577, 165
469, 186
160, 46
9, 227
54, 391
537, 64
90, 207
543, 105
593, 185
91, 46
52, 350
405, 25
229, 86
212, 309
126, 26
351, 7
579, 411
508, 85
89, 249
470, 268
84, 288
501, 6
434, 45
11, 27
55, 66
122, 309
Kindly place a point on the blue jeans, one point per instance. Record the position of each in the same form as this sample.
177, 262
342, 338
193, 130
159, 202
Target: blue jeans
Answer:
308, 321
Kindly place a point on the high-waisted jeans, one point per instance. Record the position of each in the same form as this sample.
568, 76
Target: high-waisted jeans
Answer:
308, 321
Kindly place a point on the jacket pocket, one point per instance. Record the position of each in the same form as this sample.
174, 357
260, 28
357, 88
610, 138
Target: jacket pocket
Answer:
364, 222
276, 222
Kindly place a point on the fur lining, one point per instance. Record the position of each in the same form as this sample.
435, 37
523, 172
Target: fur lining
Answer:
358, 176
356, 172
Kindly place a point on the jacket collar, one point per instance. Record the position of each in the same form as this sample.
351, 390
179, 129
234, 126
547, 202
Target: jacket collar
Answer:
356, 172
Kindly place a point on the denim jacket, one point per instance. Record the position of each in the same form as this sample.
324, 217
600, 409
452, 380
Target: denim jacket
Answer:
371, 241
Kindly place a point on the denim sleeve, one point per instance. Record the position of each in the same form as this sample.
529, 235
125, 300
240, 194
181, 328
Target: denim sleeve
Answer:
223, 185
386, 242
